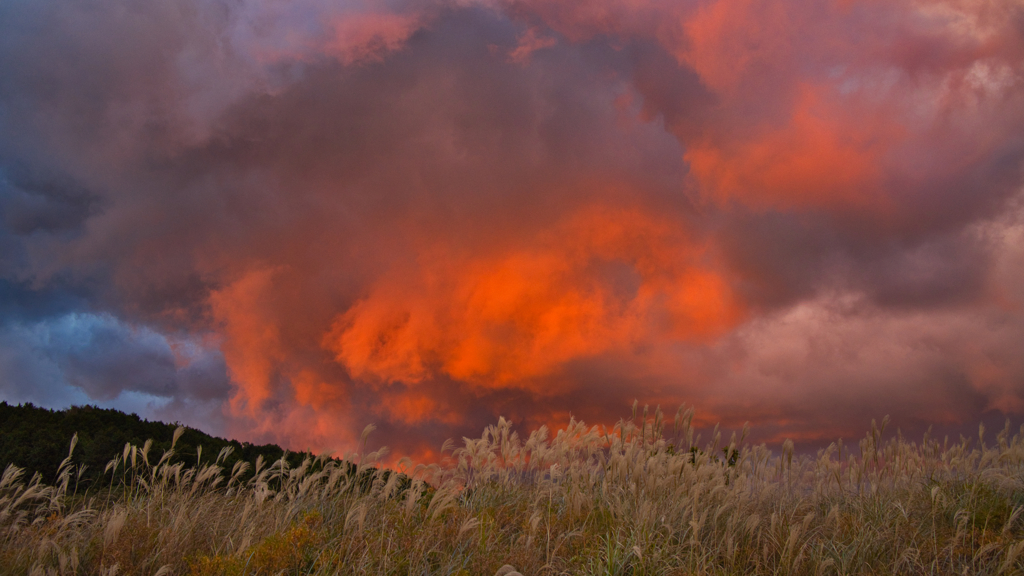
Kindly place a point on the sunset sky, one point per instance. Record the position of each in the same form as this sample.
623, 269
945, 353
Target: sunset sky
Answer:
282, 220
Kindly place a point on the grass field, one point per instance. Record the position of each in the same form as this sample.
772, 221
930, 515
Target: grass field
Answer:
639, 498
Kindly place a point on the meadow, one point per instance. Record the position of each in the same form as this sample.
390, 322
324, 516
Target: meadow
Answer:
644, 497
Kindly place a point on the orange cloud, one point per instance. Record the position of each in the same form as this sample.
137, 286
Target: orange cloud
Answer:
370, 36
384, 212
417, 406
281, 32
820, 157
529, 43
602, 280
268, 371
252, 346
726, 39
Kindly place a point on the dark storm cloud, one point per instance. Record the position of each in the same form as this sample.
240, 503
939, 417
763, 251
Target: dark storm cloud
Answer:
20, 302
35, 203
97, 358
295, 218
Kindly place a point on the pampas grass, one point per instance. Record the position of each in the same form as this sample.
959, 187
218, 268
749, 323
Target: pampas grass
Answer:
640, 498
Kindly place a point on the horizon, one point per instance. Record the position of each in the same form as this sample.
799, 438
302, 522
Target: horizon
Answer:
282, 222
702, 438
702, 434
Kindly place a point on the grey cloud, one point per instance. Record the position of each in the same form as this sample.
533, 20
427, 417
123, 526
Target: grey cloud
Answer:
97, 358
156, 153
37, 203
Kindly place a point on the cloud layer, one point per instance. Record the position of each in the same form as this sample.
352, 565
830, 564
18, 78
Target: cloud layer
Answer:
285, 220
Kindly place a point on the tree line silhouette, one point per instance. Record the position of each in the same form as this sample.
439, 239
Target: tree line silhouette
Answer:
37, 440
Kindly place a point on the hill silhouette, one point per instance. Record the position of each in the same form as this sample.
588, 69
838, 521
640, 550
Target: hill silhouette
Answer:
37, 440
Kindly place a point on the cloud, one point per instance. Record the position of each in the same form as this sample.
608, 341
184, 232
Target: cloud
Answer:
605, 280
88, 358
291, 219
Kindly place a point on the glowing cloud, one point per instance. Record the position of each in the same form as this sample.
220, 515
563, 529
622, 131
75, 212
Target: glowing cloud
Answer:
604, 280
287, 220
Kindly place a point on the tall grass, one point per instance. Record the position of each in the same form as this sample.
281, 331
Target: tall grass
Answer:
639, 498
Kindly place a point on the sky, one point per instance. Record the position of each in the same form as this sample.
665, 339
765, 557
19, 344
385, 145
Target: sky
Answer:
283, 220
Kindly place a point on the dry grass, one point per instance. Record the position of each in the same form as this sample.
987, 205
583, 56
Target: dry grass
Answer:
634, 499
